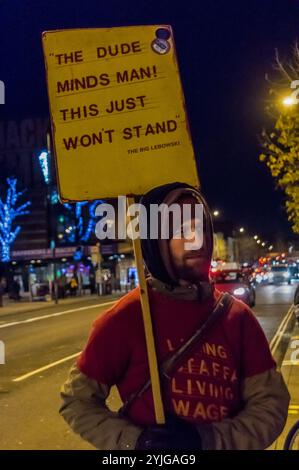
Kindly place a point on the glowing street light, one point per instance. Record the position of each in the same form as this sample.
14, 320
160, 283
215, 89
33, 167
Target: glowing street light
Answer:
289, 101
263, 244
216, 213
270, 247
255, 237
242, 229
258, 241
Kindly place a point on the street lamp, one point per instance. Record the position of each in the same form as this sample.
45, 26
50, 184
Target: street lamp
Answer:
255, 237
263, 244
289, 101
242, 229
216, 213
258, 241
270, 247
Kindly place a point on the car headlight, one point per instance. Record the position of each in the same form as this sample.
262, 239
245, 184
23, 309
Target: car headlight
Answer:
239, 291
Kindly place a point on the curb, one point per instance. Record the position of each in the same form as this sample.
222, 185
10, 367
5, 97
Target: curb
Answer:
61, 305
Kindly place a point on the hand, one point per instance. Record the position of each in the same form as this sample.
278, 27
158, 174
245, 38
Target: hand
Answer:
175, 434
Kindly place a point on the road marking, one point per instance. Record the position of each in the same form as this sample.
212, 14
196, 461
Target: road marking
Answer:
291, 412
64, 312
294, 407
277, 336
281, 330
284, 320
60, 361
48, 366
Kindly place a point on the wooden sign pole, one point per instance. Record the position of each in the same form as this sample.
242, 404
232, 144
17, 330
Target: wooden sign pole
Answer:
148, 327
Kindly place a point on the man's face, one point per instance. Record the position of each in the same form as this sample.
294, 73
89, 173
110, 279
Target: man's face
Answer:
190, 265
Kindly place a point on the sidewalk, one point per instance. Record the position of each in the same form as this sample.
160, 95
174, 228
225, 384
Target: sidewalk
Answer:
24, 305
290, 371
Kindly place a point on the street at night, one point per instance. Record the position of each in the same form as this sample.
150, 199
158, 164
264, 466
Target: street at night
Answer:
149, 223
38, 357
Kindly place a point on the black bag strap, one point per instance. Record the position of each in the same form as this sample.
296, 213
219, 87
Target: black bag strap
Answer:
172, 363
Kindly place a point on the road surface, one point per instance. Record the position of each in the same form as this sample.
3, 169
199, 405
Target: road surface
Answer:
39, 350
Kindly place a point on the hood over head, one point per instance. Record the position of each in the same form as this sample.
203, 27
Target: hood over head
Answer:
156, 252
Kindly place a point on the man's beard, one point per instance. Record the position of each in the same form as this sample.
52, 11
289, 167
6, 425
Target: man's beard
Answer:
194, 274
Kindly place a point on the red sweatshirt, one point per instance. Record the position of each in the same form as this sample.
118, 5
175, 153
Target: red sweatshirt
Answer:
207, 386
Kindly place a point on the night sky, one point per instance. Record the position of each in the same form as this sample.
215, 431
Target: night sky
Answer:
224, 48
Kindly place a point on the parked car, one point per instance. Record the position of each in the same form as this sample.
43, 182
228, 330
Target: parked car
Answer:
236, 283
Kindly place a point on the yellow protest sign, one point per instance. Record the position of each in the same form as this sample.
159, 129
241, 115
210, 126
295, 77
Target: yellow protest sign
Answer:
118, 117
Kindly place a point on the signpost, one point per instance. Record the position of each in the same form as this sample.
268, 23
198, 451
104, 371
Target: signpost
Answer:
118, 115
119, 125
